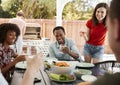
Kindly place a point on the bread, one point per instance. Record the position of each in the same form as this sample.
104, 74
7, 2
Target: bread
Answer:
61, 64
84, 83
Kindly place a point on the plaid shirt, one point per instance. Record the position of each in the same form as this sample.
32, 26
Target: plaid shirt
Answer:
6, 55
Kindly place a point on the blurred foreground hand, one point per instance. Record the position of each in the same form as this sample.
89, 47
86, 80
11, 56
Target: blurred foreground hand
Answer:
33, 65
35, 62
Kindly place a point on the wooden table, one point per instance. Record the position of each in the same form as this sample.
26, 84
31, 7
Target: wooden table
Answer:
17, 77
50, 82
41, 74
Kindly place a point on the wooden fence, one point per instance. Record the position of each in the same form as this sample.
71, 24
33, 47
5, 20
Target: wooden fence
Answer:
72, 29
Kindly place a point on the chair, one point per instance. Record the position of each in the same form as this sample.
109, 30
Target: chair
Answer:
105, 66
44, 48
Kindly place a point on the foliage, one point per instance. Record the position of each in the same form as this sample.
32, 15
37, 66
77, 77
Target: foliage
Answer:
39, 8
78, 10
11, 7
46, 9
4, 14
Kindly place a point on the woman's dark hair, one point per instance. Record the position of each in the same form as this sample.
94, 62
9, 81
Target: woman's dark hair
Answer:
58, 28
5, 27
94, 19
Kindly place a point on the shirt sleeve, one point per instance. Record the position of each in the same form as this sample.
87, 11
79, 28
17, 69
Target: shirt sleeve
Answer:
74, 49
51, 52
88, 24
55, 53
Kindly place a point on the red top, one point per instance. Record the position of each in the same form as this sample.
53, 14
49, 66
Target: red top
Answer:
97, 33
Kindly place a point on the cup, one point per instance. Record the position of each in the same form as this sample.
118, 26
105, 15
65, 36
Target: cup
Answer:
61, 47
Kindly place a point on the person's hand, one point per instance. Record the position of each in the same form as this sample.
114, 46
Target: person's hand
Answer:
20, 58
35, 62
82, 33
33, 65
65, 49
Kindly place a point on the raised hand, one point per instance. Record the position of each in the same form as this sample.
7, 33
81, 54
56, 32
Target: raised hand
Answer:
35, 62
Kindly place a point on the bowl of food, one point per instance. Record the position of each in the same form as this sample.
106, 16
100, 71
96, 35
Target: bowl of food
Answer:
62, 78
61, 67
79, 72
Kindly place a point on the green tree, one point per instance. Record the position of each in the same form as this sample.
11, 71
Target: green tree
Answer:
3, 14
39, 8
78, 10
11, 7
44, 9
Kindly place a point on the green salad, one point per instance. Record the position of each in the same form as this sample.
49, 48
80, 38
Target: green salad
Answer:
61, 77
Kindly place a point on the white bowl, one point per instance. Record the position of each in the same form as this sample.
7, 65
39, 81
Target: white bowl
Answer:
89, 78
62, 70
79, 72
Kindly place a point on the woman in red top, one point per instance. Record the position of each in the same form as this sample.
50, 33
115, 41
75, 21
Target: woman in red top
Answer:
95, 34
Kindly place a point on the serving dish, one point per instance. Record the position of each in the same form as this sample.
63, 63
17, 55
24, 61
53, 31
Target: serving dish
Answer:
62, 67
62, 78
79, 72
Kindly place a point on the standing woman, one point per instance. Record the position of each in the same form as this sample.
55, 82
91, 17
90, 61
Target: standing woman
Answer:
19, 21
95, 34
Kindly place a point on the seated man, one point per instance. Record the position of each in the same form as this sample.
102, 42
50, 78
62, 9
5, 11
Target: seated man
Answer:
63, 48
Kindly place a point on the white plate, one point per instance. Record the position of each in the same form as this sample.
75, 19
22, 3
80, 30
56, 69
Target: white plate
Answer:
21, 65
85, 65
89, 78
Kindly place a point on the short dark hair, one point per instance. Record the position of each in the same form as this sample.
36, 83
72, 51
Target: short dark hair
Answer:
114, 11
20, 13
58, 28
5, 27
94, 19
